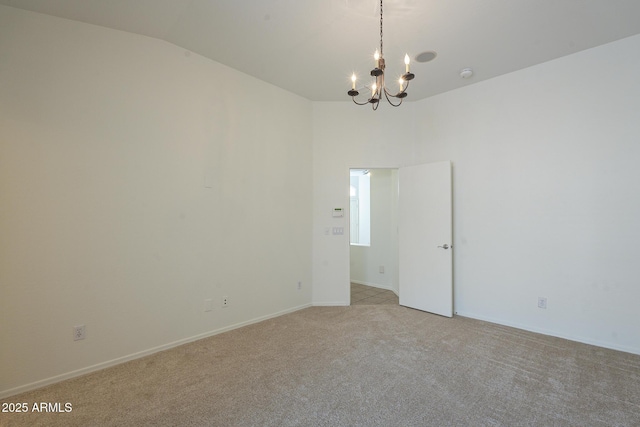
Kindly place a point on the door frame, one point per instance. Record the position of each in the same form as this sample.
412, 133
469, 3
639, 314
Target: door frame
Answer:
396, 250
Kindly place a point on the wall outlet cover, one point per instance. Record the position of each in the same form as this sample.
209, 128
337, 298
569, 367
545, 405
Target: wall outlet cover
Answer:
542, 302
79, 332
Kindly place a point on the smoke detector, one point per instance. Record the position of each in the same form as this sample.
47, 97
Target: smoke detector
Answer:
466, 73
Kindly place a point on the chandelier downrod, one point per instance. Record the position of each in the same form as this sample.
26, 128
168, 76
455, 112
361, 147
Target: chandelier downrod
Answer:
378, 88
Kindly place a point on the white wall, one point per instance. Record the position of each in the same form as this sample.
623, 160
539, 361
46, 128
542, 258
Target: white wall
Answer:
348, 136
106, 142
365, 261
546, 194
545, 177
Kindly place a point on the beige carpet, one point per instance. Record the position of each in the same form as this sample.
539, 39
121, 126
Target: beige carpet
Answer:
381, 365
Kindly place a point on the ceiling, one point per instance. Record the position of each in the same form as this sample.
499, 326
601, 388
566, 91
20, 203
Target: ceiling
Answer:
311, 47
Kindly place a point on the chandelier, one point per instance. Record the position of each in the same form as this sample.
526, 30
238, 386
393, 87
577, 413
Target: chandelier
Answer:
378, 88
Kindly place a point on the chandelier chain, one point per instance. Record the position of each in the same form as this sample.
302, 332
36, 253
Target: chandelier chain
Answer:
381, 56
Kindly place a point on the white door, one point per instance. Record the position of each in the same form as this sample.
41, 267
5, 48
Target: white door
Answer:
425, 238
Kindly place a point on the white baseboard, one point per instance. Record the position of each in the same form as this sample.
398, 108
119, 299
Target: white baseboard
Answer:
330, 304
123, 359
551, 333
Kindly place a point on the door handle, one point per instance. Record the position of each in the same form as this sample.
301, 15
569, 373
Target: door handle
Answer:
445, 246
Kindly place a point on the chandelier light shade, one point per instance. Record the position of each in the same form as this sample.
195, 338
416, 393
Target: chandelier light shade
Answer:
378, 89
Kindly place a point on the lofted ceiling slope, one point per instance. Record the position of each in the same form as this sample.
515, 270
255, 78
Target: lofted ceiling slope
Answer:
311, 47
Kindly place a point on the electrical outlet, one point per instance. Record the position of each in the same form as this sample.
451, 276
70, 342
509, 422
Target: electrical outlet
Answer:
208, 305
225, 301
299, 285
78, 332
381, 269
542, 302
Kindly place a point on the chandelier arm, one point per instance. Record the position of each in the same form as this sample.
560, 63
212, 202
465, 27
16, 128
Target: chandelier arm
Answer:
397, 95
389, 96
360, 103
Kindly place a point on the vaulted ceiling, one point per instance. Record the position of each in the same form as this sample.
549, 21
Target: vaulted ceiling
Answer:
311, 47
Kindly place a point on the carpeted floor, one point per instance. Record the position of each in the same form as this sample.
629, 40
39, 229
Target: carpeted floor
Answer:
382, 365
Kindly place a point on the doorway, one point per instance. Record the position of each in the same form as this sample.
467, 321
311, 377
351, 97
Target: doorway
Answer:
373, 231
411, 236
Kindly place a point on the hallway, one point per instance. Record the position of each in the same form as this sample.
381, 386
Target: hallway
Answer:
368, 295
